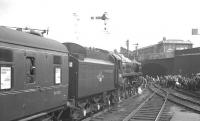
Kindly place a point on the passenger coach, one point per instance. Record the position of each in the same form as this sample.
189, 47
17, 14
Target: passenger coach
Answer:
33, 76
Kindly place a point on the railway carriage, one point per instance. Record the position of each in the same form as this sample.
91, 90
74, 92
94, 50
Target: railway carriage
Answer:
33, 76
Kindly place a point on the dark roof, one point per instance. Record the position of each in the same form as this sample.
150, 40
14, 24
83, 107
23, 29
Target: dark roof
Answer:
25, 39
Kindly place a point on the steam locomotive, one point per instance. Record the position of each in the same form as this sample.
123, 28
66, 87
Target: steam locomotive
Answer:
42, 79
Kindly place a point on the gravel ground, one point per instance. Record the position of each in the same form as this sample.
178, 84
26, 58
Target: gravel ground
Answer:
181, 114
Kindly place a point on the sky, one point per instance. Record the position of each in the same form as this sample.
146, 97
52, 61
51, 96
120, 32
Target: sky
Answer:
145, 22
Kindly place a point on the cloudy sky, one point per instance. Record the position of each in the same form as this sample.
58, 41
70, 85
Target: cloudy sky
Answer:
141, 21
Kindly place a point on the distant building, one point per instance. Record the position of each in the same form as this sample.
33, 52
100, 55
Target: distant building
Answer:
164, 49
174, 44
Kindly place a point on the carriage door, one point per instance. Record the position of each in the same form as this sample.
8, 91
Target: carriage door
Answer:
32, 83
73, 77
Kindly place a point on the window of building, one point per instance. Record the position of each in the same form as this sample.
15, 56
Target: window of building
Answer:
30, 69
5, 77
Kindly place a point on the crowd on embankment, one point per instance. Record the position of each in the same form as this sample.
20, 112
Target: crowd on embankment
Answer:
189, 82
137, 84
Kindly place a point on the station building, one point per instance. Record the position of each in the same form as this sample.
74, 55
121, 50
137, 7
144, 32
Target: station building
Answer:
161, 50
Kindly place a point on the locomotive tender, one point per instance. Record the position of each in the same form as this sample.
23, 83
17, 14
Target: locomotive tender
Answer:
42, 79
93, 81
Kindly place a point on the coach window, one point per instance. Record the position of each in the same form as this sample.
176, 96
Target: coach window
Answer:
5, 77
30, 69
6, 59
57, 61
57, 75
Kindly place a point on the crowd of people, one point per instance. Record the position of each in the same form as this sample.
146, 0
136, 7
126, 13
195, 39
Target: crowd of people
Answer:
135, 85
189, 82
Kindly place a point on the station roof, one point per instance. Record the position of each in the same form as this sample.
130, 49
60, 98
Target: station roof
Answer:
176, 41
168, 41
11, 36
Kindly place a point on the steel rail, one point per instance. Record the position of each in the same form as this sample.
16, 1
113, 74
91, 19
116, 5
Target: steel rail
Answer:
143, 104
162, 108
182, 100
138, 108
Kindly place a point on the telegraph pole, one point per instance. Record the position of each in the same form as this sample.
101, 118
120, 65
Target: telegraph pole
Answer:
127, 45
136, 49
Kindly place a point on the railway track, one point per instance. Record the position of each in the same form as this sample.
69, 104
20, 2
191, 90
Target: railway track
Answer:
188, 93
155, 107
121, 110
183, 99
151, 109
